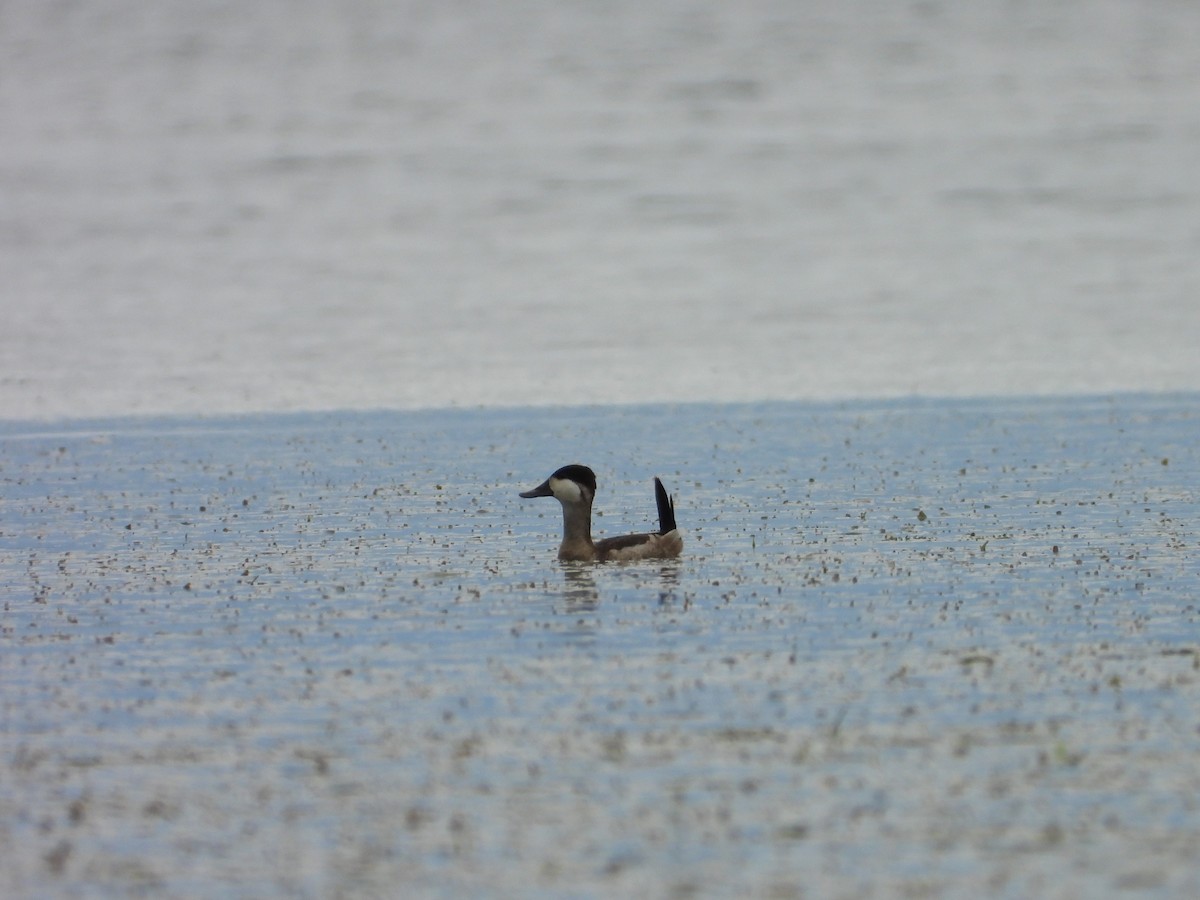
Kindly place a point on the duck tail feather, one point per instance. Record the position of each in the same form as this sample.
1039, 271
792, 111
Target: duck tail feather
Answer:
666, 508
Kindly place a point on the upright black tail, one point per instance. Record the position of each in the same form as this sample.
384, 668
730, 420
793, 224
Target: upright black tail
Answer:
666, 508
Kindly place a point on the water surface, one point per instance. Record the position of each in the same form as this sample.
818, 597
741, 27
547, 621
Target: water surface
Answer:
366, 204
919, 647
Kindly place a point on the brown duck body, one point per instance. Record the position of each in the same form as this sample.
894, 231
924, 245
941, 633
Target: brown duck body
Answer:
574, 487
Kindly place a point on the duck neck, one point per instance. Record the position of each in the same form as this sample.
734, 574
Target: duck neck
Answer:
577, 530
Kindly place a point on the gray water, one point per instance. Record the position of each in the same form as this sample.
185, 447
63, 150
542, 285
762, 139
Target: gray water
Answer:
223, 207
934, 649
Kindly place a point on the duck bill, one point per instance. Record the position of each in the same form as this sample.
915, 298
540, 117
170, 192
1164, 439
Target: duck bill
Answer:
542, 490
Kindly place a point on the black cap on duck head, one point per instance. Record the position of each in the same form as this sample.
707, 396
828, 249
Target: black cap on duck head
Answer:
581, 475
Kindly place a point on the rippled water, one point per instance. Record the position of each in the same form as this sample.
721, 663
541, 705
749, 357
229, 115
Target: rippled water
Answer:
933, 648
213, 208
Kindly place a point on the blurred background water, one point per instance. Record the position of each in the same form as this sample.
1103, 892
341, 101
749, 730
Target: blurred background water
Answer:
213, 207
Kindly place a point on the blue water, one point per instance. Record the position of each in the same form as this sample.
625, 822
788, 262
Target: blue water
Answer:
939, 645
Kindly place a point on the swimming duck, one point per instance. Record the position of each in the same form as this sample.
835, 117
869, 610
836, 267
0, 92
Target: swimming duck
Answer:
574, 487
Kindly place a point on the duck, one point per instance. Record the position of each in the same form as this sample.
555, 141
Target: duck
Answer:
574, 486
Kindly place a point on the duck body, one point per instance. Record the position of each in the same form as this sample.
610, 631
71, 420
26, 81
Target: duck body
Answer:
574, 486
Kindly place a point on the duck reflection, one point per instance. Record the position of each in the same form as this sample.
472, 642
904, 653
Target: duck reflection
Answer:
579, 590
668, 581
581, 594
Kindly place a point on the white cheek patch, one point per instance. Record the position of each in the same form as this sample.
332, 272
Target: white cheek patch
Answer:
566, 490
